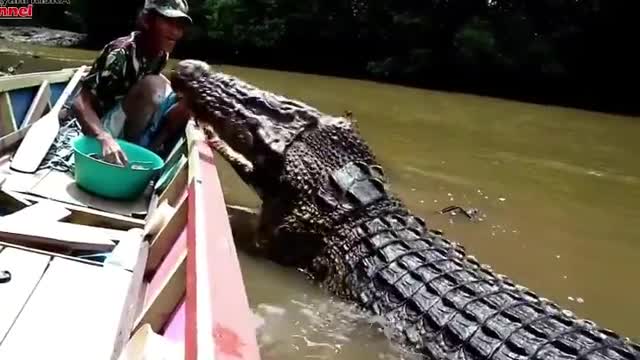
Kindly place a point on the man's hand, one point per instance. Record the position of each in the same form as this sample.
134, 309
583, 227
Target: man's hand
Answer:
91, 125
111, 151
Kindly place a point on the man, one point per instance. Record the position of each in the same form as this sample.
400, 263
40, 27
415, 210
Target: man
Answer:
125, 95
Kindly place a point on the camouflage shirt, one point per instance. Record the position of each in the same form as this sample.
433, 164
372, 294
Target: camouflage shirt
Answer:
119, 66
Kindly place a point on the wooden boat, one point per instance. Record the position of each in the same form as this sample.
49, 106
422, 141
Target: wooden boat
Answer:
100, 279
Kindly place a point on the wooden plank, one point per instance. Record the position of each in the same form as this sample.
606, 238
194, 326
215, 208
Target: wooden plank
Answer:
7, 142
26, 270
40, 102
172, 164
169, 173
174, 330
49, 253
167, 177
19, 198
126, 208
166, 288
88, 216
34, 79
130, 255
151, 208
86, 300
218, 317
176, 187
12, 201
43, 132
163, 241
44, 210
13, 180
178, 149
62, 187
22, 183
126, 253
7, 119
21, 100
56, 235
145, 344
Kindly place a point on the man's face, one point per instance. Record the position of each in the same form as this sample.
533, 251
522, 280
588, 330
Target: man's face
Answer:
166, 32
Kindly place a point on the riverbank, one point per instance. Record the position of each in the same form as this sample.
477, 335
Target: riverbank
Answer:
42, 36
580, 92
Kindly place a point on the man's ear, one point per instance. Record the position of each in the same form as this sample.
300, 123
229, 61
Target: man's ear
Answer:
144, 21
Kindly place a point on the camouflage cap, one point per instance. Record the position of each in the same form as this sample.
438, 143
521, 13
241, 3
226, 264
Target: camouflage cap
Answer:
169, 8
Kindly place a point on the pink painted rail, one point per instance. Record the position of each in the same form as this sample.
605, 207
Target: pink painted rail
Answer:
218, 323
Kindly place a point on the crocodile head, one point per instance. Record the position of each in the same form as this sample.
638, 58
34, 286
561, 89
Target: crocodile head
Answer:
250, 127
307, 167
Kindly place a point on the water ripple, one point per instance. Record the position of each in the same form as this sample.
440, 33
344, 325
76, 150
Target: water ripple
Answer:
567, 167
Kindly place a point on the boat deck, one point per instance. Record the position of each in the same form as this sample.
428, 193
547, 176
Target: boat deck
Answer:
59, 307
93, 278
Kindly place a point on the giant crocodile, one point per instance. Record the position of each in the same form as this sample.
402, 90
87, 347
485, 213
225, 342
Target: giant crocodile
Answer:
327, 209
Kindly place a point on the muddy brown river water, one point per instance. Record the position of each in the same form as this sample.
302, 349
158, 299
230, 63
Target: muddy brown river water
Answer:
558, 190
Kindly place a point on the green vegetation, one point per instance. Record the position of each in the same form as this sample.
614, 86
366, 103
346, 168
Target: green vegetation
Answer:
575, 52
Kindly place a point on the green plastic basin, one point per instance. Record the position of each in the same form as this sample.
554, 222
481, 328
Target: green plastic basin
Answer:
109, 180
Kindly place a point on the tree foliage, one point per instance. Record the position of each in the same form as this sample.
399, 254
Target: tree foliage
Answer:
566, 50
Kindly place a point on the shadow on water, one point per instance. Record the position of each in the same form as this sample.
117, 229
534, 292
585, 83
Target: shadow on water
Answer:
558, 190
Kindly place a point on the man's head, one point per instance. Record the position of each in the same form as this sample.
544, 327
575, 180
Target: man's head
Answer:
165, 22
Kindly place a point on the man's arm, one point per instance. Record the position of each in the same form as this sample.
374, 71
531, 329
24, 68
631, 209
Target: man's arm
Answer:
105, 74
89, 120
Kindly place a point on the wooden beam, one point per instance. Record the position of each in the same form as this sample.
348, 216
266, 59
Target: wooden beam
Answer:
130, 255
127, 253
10, 140
163, 241
7, 119
176, 187
145, 344
34, 146
26, 270
218, 317
61, 186
13, 201
34, 79
88, 216
56, 235
44, 210
166, 288
48, 253
38, 105
171, 165
174, 329
86, 300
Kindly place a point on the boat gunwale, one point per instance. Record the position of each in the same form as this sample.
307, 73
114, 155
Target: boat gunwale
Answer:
21, 81
217, 313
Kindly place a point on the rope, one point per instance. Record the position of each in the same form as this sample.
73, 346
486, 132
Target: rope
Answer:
60, 154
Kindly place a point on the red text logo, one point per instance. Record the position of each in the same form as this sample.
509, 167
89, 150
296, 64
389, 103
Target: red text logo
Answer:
12, 12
